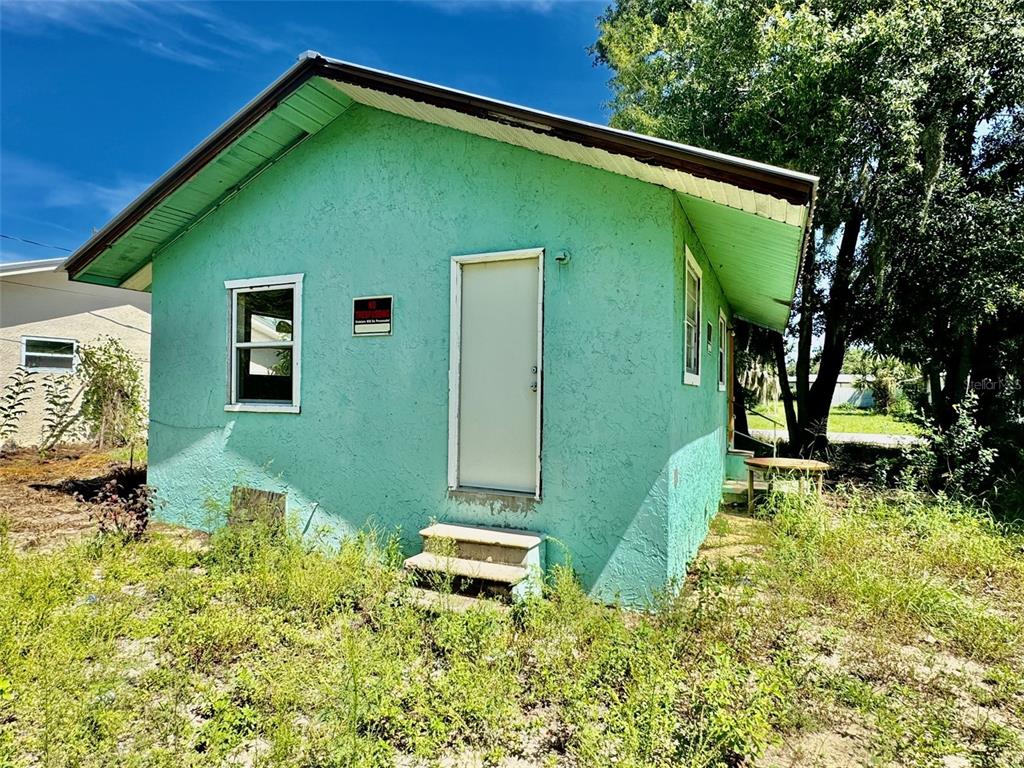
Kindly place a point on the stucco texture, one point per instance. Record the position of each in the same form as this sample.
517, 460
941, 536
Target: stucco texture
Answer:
47, 304
378, 204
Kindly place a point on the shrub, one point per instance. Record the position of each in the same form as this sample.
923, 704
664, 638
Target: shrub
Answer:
61, 415
959, 460
15, 396
112, 392
888, 379
122, 510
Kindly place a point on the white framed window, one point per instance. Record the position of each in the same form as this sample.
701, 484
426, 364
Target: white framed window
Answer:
44, 354
723, 350
692, 319
264, 343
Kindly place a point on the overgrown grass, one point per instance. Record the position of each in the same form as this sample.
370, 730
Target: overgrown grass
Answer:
133, 454
900, 564
288, 652
840, 419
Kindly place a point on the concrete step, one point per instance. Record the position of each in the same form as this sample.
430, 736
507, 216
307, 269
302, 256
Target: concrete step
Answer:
505, 546
470, 569
439, 602
740, 452
506, 537
735, 491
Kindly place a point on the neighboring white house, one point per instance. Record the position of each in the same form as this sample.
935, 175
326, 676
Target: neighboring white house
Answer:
44, 318
846, 392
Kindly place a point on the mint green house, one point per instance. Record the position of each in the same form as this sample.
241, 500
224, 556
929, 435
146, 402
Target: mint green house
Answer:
396, 303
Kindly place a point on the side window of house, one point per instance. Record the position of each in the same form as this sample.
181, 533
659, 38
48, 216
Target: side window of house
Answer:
691, 333
264, 345
723, 352
46, 355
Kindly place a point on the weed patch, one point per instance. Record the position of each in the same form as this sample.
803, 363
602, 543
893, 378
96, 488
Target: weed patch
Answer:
892, 618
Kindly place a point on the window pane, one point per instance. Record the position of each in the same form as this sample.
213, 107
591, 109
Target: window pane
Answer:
265, 374
722, 340
691, 297
43, 361
49, 347
692, 347
265, 315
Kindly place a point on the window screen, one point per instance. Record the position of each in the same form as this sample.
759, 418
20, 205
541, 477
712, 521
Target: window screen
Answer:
44, 354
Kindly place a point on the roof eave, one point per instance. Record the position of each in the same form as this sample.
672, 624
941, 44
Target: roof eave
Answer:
12, 268
185, 168
793, 187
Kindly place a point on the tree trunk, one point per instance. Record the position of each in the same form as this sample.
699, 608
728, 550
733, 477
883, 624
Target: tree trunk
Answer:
958, 369
936, 399
986, 375
792, 427
741, 430
805, 335
813, 408
814, 415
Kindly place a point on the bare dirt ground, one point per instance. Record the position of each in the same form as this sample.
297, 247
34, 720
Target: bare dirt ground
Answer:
39, 496
43, 518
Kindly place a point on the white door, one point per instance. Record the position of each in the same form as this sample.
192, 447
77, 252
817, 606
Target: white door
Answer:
496, 365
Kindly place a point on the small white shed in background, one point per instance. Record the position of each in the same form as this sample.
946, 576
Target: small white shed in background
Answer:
846, 392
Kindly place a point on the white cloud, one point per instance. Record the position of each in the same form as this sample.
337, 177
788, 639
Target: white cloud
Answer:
190, 33
461, 6
49, 187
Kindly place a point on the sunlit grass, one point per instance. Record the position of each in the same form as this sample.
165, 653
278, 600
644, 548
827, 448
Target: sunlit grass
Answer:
312, 652
840, 419
130, 454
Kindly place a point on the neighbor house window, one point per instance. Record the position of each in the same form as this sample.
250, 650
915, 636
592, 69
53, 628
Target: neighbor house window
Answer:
46, 355
264, 343
723, 342
691, 331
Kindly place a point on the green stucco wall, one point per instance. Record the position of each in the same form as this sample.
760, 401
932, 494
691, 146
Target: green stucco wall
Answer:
699, 413
375, 203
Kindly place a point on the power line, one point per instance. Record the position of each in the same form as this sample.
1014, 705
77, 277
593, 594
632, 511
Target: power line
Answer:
35, 242
59, 290
118, 322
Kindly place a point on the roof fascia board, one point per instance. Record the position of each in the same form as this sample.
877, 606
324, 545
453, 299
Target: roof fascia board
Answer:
791, 186
13, 268
796, 188
195, 160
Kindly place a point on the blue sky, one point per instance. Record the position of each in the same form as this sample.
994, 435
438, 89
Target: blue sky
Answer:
97, 99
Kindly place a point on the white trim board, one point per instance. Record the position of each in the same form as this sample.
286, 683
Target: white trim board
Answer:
455, 359
255, 285
693, 379
52, 355
722, 367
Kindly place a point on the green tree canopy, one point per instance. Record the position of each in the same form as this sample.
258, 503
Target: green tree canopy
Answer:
894, 105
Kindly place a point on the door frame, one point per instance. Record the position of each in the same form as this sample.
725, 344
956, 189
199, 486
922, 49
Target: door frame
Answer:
455, 356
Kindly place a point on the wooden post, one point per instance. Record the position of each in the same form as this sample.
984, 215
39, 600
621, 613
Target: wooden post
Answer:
750, 491
730, 429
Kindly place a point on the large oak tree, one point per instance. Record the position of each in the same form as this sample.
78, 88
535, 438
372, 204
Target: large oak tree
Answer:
889, 103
